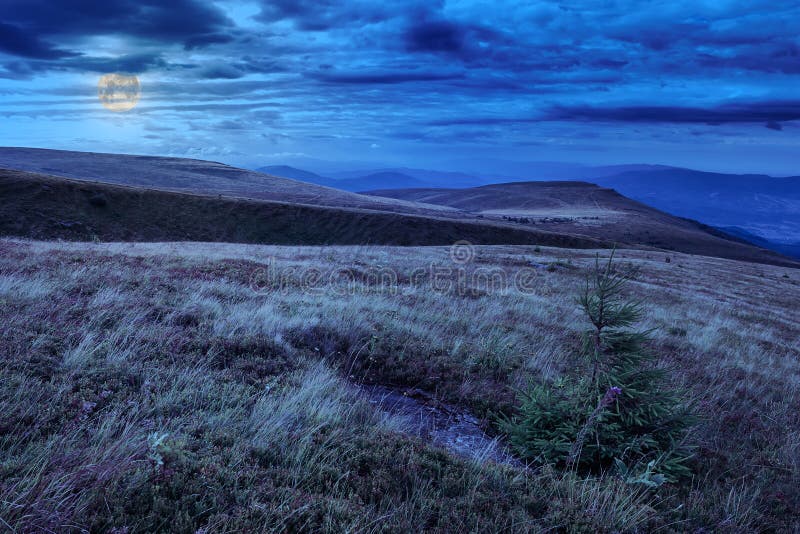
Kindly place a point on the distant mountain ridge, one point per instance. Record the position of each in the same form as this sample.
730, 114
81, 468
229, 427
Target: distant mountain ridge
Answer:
763, 206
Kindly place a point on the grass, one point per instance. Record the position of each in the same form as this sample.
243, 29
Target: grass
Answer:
46, 207
148, 387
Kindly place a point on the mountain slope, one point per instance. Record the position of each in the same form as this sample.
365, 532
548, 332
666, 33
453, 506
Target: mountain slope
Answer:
585, 209
425, 177
179, 174
47, 207
384, 179
354, 183
293, 173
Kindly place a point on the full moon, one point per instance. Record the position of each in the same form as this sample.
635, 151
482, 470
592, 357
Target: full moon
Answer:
119, 92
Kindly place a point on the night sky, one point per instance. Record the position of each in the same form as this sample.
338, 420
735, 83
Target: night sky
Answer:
449, 85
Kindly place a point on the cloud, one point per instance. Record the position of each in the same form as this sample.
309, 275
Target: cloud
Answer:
203, 40
322, 15
467, 41
484, 121
219, 70
384, 78
189, 22
514, 73
435, 36
132, 63
772, 112
15, 41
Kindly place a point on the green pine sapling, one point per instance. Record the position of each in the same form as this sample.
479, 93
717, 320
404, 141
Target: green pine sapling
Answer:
619, 408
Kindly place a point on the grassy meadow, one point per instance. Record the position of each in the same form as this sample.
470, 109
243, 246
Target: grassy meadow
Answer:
181, 387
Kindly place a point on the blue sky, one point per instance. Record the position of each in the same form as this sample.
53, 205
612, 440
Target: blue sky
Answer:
448, 85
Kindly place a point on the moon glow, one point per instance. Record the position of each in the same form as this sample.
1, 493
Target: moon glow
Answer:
119, 92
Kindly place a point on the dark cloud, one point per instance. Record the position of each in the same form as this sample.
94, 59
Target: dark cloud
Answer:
132, 63
772, 112
484, 121
321, 15
18, 42
436, 36
781, 57
200, 41
472, 43
189, 22
383, 78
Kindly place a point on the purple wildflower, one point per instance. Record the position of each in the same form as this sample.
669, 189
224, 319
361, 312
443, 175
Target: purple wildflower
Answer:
611, 395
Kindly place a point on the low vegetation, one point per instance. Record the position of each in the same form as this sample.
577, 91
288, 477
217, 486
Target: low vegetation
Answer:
152, 387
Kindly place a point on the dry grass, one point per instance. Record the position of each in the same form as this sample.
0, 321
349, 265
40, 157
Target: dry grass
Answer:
147, 385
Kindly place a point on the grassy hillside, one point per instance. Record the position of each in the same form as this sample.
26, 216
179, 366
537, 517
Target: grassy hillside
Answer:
150, 387
285, 171
377, 180
46, 207
189, 175
585, 209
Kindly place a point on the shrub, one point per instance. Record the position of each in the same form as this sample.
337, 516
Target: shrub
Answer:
618, 409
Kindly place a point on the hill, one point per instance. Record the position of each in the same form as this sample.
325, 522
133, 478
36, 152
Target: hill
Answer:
353, 182
383, 179
293, 173
586, 209
425, 177
47, 207
189, 175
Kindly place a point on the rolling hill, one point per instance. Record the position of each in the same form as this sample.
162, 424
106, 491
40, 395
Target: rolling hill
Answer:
581, 208
293, 173
189, 175
354, 182
387, 179
47, 207
424, 177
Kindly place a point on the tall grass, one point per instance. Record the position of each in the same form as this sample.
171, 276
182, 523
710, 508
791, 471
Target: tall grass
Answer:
106, 346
